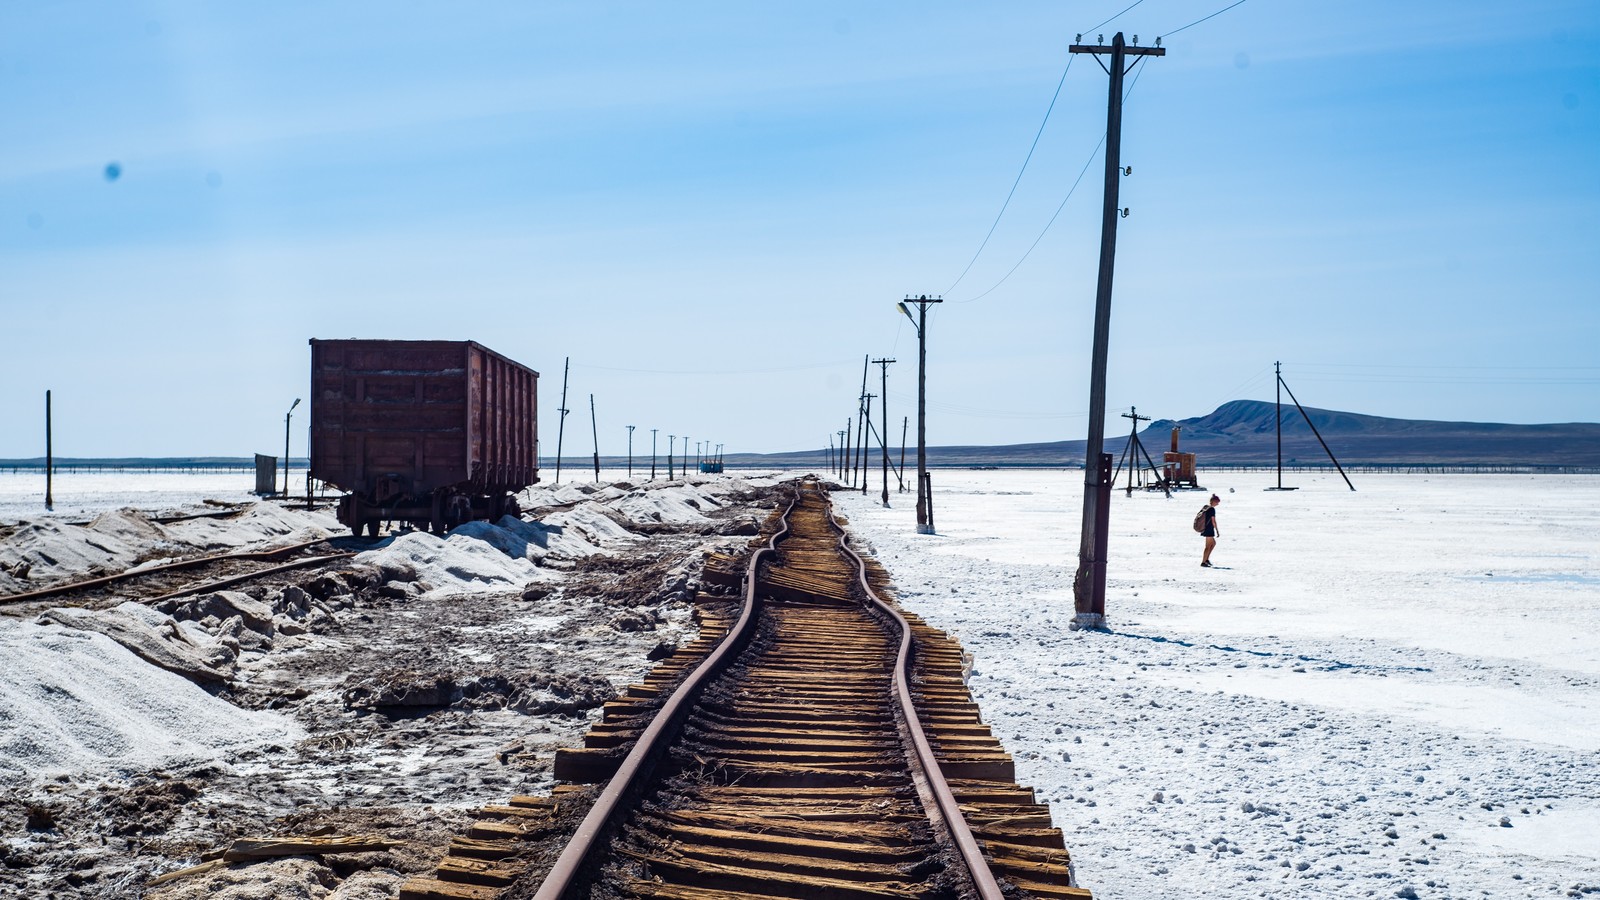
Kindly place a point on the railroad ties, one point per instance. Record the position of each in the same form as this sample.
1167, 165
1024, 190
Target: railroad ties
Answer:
790, 774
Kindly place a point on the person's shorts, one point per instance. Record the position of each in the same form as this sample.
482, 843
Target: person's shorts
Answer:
1209, 532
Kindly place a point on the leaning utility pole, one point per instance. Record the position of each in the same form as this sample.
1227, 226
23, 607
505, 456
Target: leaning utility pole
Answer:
920, 322
883, 432
561, 424
595, 427
1089, 585
630, 451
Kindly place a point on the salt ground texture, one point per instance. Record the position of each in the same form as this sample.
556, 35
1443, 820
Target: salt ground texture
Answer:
1387, 693
427, 677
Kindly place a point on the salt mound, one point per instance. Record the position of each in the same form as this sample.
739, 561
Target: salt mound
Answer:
462, 563
261, 522
676, 504
130, 526
591, 520
550, 539
49, 549
73, 701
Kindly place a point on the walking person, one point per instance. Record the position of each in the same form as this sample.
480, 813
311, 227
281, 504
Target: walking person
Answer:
1208, 529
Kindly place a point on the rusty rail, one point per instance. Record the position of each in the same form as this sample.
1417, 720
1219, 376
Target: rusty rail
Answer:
653, 742
938, 801
129, 575
945, 809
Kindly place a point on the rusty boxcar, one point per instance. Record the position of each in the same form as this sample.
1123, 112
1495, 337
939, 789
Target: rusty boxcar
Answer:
434, 433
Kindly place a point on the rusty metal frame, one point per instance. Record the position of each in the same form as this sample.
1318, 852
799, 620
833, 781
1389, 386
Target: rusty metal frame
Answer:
641, 760
946, 810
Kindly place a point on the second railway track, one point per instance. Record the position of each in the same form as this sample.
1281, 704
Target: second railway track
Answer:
817, 743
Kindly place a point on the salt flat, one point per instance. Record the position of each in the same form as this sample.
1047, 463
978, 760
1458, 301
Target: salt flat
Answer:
1379, 693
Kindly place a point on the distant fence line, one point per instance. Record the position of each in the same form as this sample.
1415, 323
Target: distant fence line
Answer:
207, 469
1414, 468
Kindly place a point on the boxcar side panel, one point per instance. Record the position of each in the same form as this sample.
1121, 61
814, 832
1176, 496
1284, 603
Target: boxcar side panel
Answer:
434, 413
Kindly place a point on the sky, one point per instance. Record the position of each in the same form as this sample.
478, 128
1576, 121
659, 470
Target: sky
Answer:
713, 208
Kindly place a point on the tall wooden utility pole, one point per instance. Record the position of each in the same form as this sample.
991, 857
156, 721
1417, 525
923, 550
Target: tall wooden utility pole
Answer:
49, 459
630, 451
653, 454
838, 458
561, 424
594, 426
920, 322
866, 418
883, 431
672, 443
1089, 585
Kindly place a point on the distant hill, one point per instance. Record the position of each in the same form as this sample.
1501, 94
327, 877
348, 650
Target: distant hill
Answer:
1241, 432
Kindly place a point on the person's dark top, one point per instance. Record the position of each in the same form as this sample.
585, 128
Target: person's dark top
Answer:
1210, 529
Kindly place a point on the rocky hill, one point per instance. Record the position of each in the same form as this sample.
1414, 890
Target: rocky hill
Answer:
1241, 432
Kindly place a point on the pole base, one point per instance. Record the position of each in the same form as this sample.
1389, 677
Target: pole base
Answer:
1088, 622
925, 529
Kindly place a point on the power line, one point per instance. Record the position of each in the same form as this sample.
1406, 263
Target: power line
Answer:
1018, 179
1198, 21
1063, 205
1116, 17
1081, 172
771, 371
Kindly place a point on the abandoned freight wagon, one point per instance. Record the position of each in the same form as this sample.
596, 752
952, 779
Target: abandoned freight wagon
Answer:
434, 433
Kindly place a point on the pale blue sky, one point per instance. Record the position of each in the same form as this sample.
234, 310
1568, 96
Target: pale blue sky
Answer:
712, 208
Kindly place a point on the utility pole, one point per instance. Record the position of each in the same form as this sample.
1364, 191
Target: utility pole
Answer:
653, 454
561, 424
49, 459
905, 422
685, 466
1307, 416
858, 451
672, 443
630, 452
920, 322
1133, 444
883, 431
1277, 388
1089, 584
838, 459
866, 412
595, 428
850, 451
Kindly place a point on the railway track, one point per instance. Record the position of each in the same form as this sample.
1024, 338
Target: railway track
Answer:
190, 576
815, 742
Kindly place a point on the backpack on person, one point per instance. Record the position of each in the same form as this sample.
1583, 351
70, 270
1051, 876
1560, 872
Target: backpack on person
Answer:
1200, 519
